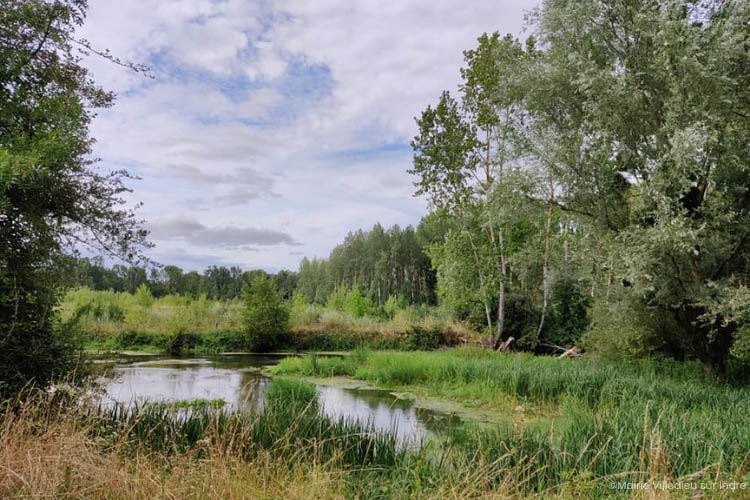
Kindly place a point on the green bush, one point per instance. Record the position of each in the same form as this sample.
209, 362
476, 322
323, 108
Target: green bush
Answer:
180, 342
222, 341
356, 304
337, 300
131, 339
623, 330
265, 316
143, 296
568, 317
422, 339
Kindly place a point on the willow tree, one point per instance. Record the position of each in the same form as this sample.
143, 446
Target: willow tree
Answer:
651, 103
53, 200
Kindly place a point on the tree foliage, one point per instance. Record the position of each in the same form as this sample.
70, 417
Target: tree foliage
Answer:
627, 130
52, 197
380, 263
265, 315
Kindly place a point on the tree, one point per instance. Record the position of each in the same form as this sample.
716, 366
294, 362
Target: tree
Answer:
143, 296
286, 282
381, 263
460, 168
52, 198
632, 120
175, 280
265, 315
651, 100
356, 304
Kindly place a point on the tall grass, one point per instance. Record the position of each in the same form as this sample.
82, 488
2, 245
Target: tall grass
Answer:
290, 424
609, 418
55, 447
112, 320
107, 314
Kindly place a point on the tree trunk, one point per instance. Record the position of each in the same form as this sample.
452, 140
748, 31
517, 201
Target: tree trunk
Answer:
501, 299
545, 270
482, 288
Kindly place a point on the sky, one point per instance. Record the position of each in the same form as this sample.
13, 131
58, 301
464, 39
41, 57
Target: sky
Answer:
270, 129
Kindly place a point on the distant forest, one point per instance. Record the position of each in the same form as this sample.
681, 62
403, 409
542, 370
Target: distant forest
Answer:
381, 262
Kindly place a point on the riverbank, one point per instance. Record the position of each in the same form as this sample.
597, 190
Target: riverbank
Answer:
110, 321
611, 416
299, 339
52, 446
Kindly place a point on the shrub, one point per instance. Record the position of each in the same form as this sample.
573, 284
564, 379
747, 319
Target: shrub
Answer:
303, 313
143, 296
622, 331
222, 340
568, 317
422, 339
180, 342
391, 308
357, 304
130, 339
265, 316
337, 300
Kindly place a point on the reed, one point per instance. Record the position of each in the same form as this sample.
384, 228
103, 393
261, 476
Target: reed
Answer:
604, 417
53, 446
111, 320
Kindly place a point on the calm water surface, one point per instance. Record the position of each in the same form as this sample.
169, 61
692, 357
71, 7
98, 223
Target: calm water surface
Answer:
237, 380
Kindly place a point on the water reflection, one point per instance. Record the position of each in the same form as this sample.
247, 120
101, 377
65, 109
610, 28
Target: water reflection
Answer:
237, 379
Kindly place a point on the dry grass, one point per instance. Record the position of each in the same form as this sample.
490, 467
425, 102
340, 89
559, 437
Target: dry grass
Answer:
49, 449
49, 455
394, 333
58, 459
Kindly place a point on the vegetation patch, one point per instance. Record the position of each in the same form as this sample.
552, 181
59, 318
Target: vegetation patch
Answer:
189, 404
555, 406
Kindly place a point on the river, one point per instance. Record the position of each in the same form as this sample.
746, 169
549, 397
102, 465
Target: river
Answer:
237, 379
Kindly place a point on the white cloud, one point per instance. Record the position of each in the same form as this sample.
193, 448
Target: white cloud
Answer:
191, 231
276, 114
269, 62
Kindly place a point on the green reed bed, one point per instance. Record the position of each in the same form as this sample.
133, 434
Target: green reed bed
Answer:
289, 424
575, 456
291, 428
610, 420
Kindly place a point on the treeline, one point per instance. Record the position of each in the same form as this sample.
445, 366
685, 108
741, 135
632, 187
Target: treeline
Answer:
381, 263
216, 282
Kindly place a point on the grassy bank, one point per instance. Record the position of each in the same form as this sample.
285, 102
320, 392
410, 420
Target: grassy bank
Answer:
53, 447
115, 321
575, 417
